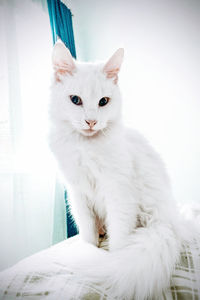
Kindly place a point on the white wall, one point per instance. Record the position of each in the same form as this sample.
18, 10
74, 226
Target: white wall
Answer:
160, 78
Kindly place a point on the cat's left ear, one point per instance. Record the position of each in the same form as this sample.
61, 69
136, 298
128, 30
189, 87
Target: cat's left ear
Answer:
62, 60
112, 67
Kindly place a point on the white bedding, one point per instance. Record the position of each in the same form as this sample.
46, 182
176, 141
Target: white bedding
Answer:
46, 275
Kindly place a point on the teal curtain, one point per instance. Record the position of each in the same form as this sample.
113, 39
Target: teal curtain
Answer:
61, 26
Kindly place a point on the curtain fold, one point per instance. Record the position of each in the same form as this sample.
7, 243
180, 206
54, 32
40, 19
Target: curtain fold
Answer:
61, 26
60, 225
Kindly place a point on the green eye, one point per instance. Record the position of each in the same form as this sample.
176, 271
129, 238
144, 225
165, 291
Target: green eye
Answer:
76, 100
103, 101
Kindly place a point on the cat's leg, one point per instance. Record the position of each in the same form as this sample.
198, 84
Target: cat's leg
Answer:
100, 226
121, 219
86, 219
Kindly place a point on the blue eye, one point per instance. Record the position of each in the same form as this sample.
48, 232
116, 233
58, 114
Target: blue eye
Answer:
76, 100
103, 101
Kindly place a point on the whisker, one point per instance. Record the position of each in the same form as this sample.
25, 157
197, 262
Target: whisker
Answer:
103, 132
77, 122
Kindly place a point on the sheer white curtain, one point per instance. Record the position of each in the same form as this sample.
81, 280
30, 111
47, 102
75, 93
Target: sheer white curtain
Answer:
32, 212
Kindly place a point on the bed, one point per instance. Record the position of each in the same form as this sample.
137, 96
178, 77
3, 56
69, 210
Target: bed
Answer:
45, 275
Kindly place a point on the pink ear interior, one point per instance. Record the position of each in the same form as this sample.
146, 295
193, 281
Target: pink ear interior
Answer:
62, 61
112, 67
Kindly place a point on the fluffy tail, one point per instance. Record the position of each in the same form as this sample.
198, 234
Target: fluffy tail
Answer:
138, 271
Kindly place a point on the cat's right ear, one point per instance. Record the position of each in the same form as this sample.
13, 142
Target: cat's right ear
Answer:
112, 67
62, 61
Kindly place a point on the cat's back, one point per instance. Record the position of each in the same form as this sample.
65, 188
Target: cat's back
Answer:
139, 145
146, 160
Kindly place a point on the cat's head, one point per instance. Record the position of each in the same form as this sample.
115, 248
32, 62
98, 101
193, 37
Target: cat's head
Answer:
86, 95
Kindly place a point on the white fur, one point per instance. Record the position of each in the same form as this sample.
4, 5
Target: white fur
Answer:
115, 175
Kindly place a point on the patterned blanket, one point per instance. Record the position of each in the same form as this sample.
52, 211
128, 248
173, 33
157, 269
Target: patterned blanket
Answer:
45, 276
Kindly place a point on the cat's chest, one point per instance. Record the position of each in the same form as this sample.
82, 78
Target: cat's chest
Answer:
87, 175
93, 165
88, 164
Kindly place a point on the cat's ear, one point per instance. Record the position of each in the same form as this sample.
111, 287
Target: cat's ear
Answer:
62, 60
112, 67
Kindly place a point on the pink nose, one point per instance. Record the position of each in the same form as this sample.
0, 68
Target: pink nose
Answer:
91, 123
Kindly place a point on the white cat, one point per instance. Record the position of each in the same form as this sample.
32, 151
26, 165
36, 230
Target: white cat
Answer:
118, 183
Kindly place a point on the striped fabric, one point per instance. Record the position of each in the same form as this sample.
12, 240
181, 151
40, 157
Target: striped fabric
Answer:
185, 282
